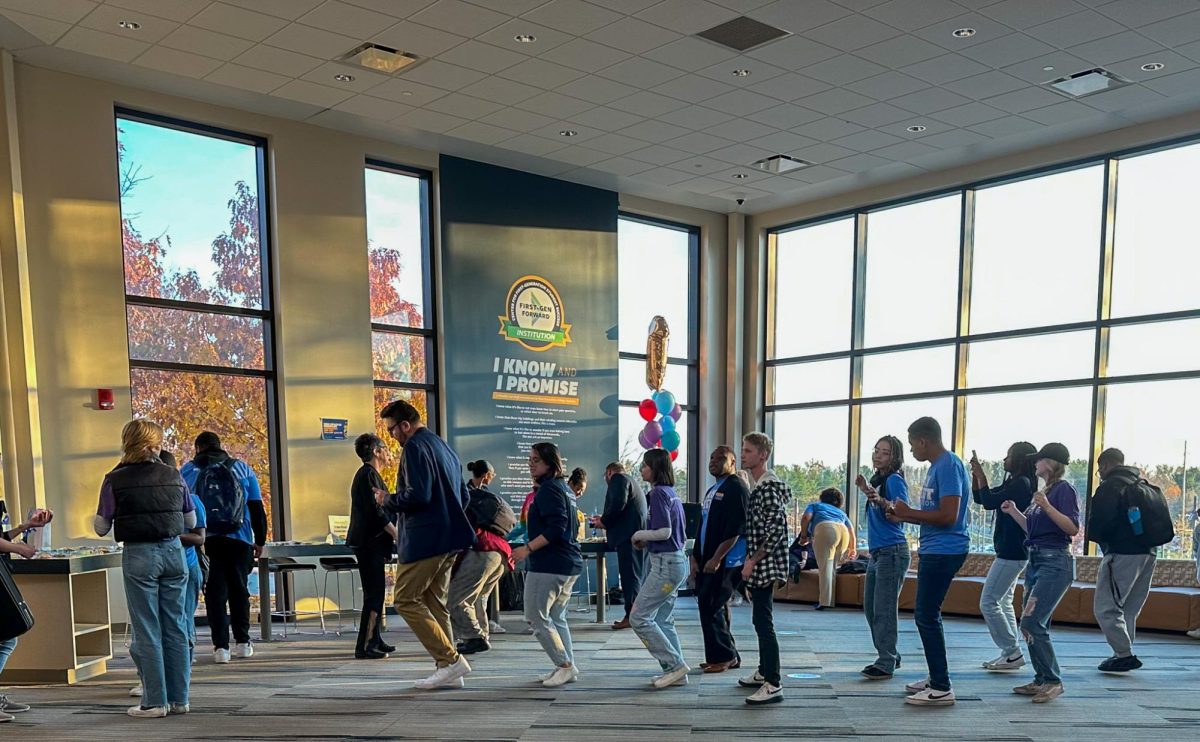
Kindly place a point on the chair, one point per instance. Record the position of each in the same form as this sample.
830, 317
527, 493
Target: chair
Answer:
284, 566
337, 565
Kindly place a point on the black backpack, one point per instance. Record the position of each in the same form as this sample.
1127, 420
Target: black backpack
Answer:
1157, 528
15, 616
486, 510
223, 496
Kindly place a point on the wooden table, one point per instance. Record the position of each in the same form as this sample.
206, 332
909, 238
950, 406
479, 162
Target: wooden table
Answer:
271, 551
599, 549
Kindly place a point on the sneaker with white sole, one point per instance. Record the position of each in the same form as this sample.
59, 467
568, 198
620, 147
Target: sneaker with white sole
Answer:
136, 691
1029, 689
931, 697
561, 676
154, 712
9, 706
754, 680
672, 676
1002, 663
179, 708
6, 717
243, 650
1050, 691
1194, 633
682, 681
917, 686
495, 627
765, 694
443, 676
221, 656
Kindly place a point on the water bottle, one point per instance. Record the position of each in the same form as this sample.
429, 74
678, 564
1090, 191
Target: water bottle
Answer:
1135, 520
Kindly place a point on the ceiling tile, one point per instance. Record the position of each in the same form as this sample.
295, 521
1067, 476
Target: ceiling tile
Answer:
598, 90
247, 78
691, 53
580, 155
693, 88
541, 73
790, 86
699, 143
505, 35
501, 90
782, 142
556, 105
417, 39
890, 84
645, 103
477, 131
458, 17
744, 192
483, 57
633, 35
1006, 50
373, 108
44, 30
616, 144
932, 126
511, 7
852, 32
107, 17
396, 8
1175, 31
1124, 98
664, 176
279, 61
627, 7
235, 21
954, 139
1005, 127
624, 166
311, 41
363, 80
177, 62
695, 117
877, 114
1061, 113
793, 53
290, 9
910, 15
518, 120
747, 176
1024, 14
968, 115
554, 132
67, 11
702, 184
942, 32
1115, 48
742, 155
1023, 100
862, 162
100, 44
904, 151
443, 75
640, 72
572, 16
659, 154
176, 10
740, 102
986, 85
843, 69
835, 101
1034, 70
786, 116
431, 121
1075, 29
457, 104
1181, 83
944, 69
687, 16
655, 131
760, 71
798, 17
206, 43
1131, 69
1135, 13
865, 141
823, 153
826, 129
585, 55
347, 19
900, 51
931, 100
312, 93
407, 92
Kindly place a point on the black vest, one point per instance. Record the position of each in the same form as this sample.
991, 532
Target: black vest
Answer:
149, 497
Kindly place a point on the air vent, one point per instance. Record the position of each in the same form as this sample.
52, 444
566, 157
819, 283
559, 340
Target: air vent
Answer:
379, 58
1085, 83
779, 164
742, 33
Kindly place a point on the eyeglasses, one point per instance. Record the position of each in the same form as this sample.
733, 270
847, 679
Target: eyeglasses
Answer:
392, 427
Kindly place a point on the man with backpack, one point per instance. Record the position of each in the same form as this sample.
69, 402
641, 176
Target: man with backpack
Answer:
480, 569
237, 530
1128, 518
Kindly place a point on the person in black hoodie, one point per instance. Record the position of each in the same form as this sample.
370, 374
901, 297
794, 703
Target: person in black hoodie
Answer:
1008, 539
371, 537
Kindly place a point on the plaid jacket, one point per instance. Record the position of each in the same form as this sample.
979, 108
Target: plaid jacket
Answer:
766, 528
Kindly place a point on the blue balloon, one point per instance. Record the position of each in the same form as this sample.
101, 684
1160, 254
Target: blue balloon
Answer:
671, 440
667, 423
665, 401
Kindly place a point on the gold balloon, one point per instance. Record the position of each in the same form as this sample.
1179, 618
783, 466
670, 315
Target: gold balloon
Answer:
656, 353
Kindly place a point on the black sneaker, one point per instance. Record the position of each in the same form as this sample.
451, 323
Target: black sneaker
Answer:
474, 646
384, 647
1120, 664
370, 653
871, 672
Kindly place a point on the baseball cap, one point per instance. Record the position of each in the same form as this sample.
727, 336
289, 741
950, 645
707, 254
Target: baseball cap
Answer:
1053, 451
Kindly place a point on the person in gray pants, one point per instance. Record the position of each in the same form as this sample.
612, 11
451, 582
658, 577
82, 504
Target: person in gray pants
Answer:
1123, 581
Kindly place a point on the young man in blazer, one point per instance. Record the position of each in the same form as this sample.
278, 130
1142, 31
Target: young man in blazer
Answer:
624, 515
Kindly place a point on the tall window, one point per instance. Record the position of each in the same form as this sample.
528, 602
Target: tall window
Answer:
197, 287
402, 335
658, 269
1057, 306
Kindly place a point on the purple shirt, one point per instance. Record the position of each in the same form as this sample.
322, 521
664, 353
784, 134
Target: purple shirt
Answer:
665, 509
1042, 531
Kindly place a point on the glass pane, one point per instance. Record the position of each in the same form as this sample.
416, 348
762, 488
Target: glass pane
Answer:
996, 421
1037, 251
810, 382
893, 418
187, 404
1065, 355
395, 248
814, 278
632, 380
1156, 347
384, 395
203, 338
912, 271
630, 423
654, 276
189, 216
810, 454
399, 357
908, 372
1156, 249
1157, 425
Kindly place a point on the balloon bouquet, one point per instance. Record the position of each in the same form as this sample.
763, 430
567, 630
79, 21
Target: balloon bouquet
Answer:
660, 411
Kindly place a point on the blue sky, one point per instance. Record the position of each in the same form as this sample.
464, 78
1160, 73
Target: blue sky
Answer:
394, 221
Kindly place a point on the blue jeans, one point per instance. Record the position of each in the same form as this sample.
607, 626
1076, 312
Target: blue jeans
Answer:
546, 598
6, 649
191, 598
652, 616
1049, 574
155, 585
881, 601
934, 575
996, 604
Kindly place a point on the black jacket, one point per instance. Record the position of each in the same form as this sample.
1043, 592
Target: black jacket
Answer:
367, 519
149, 498
1008, 538
552, 514
624, 510
726, 517
1108, 524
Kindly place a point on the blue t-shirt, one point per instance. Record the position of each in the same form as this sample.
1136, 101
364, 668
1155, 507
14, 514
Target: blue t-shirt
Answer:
245, 475
193, 558
947, 477
665, 509
736, 556
882, 533
823, 511
1043, 531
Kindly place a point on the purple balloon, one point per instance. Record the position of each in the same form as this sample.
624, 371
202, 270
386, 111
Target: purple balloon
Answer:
676, 412
653, 432
643, 442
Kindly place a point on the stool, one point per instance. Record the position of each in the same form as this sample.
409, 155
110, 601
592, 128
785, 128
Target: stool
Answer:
337, 565
284, 566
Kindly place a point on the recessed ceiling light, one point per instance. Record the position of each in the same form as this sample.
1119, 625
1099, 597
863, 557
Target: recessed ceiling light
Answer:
568, 133
963, 33
740, 176
1152, 66
129, 25
916, 129
524, 38
406, 93
1048, 68
340, 77
741, 73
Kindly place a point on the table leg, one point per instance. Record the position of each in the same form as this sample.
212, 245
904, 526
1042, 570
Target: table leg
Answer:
601, 587
264, 600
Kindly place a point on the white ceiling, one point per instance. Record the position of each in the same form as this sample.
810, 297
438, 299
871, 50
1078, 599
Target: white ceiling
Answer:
658, 111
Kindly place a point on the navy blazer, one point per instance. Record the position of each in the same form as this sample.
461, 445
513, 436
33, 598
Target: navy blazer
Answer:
624, 509
431, 500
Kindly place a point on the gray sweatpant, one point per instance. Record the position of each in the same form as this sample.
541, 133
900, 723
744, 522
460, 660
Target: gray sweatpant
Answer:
472, 584
1122, 586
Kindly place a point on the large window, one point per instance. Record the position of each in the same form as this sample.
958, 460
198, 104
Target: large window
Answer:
1057, 306
197, 288
402, 336
658, 269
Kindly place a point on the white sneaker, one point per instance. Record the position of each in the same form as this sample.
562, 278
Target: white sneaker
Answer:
1049, 693
546, 676
443, 676
931, 697
243, 650
179, 708
917, 686
752, 681
766, 693
221, 656
496, 628
154, 712
670, 677
561, 676
682, 681
136, 691
1003, 663
1194, 633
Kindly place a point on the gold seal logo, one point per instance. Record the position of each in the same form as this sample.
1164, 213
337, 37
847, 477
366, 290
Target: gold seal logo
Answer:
534, 315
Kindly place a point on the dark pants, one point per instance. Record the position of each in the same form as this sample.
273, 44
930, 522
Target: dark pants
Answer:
763, 600
229, 567
934, 574
371, 561
631, 563
712, 593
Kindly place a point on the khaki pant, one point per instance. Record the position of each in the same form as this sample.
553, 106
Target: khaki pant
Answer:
831, 541
420, 598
